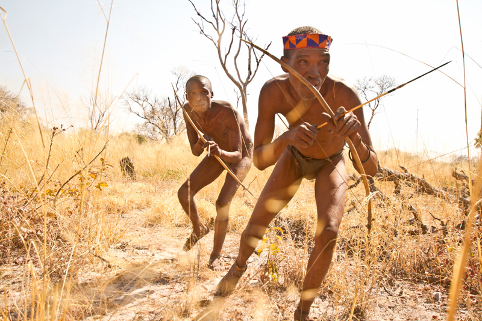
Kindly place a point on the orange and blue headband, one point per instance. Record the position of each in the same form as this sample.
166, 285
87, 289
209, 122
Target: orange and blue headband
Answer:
311, 40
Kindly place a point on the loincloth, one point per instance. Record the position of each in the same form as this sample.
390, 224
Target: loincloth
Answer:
308, 167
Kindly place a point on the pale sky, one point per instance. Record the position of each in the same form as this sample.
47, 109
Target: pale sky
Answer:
60, 43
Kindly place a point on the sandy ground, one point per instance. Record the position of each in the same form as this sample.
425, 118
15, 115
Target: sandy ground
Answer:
151, 278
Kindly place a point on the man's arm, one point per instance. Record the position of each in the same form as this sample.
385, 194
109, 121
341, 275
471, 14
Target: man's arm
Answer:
353, 125
194, 140
266, 151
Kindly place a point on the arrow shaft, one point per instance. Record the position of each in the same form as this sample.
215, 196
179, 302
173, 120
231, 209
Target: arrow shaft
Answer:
388, 92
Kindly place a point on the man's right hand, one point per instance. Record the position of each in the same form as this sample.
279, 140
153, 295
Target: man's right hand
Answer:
199, 147
302, 136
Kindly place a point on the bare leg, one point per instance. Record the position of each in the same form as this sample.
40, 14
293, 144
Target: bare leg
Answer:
278, 191
223, 203
330, 190
204, 174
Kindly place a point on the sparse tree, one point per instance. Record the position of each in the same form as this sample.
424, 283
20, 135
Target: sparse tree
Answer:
11, 103
98, 109
232, 47
372, 87
162, 116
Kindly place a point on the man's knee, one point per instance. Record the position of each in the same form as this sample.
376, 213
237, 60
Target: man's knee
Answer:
222, 204
253, 234
183, 194
327, 238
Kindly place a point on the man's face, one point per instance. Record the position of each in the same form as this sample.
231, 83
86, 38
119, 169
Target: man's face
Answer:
313, 64
199, 95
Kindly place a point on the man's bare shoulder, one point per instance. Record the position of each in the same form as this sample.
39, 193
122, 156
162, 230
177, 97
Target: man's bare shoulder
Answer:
274, 84
341, 89
222, 105
273, 95
227, 110
340, 85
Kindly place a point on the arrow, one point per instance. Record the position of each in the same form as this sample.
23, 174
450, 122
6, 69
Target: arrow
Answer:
388, 92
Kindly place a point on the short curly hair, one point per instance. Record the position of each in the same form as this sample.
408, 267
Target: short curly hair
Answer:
299, 31
200, 79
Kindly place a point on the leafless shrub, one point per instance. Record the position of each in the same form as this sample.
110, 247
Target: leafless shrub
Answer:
374, 86
10, 103
234, 46
98, 108
162, 117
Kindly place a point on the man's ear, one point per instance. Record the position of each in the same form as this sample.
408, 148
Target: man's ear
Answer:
285, 60
212, 94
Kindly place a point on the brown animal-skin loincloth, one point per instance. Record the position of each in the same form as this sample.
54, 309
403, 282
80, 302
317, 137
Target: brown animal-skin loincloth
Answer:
308, 167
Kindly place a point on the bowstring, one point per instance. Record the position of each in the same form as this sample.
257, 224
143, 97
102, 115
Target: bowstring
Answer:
316, 140
235, 116
385, 111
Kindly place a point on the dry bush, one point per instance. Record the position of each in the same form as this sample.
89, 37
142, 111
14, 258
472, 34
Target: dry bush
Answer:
25, 230
51, 222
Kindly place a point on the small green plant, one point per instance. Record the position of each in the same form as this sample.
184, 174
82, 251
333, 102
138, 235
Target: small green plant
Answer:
165, 175
172, 174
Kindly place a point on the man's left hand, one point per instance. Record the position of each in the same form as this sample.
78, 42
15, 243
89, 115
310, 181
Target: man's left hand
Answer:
348, 124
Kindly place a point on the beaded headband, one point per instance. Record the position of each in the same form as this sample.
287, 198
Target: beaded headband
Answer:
311, 40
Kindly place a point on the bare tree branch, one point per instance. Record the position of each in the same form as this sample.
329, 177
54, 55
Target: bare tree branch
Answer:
238, 26
162, 116
374, 86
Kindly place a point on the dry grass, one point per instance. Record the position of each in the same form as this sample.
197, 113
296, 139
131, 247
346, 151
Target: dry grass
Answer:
50, 243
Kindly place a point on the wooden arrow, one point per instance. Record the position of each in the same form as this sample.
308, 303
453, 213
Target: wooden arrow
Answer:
388, 92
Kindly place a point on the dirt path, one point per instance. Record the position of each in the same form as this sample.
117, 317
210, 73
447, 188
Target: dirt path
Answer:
153, 279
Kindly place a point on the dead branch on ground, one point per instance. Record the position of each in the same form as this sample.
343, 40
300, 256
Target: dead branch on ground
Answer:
387, 174
422, 185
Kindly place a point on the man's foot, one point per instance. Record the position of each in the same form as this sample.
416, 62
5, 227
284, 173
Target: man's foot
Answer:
193, 238
216, 264
301, 315
228, 283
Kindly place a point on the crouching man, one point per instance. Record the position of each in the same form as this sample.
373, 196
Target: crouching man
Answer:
304, 152
228, 138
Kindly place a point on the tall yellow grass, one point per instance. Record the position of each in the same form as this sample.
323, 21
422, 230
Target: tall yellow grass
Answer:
78, 226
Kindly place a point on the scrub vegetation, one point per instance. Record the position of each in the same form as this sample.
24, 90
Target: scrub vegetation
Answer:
81, 240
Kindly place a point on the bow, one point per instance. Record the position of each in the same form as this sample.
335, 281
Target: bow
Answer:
204, 141
330, 112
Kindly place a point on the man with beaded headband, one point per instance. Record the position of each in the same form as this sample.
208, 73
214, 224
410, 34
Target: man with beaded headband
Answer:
304, 152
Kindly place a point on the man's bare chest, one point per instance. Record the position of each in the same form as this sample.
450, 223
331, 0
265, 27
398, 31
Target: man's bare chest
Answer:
309, 111
217, 127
